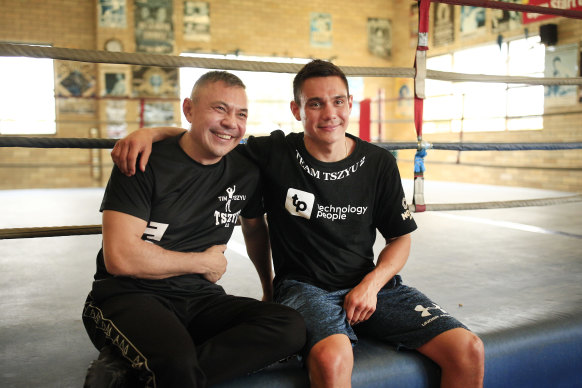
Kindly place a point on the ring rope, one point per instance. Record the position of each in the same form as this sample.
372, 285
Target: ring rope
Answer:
81, 230
506, 79
483, 146
64, 142
56, 142
162, 60
501, 204
49, 231
99, 56
515, 7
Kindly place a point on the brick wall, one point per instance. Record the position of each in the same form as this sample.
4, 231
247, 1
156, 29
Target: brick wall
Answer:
276, 28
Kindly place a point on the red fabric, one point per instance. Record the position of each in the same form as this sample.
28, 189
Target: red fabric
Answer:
365, 119
423, 9
536, 17
518, 7
418, 109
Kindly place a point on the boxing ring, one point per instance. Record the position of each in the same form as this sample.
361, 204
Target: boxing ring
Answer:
511, 269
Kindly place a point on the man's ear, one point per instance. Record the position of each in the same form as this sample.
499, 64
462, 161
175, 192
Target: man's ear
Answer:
187, 109
296, 110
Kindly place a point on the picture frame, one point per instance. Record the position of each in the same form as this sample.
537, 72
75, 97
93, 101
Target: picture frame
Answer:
320, 29
115, 80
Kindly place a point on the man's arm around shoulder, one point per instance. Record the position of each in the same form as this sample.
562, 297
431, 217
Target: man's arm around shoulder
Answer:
138, 144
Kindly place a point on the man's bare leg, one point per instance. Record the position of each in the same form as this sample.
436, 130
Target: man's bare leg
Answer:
461, 356
330, 362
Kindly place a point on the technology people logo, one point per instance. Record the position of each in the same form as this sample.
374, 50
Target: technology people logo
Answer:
299, 203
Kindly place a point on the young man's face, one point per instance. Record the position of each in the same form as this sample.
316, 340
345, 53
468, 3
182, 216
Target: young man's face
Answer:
324, 110
219, 118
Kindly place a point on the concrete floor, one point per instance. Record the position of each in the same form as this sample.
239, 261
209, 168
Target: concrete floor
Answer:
490, 268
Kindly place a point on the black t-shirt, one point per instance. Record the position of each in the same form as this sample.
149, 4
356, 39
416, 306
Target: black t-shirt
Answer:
188, 206
323, 216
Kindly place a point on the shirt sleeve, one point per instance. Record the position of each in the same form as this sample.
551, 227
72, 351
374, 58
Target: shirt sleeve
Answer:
254, 207
393, 218
129, 195
259, 149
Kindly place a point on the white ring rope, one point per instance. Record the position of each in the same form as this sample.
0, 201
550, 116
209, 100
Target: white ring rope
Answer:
99, 56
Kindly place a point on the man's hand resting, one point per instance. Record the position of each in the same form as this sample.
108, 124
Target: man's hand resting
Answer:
360, 304
215, 263
128, 150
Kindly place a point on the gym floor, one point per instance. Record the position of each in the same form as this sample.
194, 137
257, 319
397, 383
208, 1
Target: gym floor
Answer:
490, 268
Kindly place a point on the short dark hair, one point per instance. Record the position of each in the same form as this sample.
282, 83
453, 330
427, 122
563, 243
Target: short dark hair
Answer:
316, 68
214, 76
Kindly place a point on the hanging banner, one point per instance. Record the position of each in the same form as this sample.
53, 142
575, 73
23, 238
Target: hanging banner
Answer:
574, 5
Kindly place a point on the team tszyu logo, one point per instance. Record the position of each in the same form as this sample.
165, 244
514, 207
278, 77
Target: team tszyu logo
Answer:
227, 218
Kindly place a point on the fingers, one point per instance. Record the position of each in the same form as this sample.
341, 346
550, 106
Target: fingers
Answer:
116, 153
359, 315
119, 157
126, 152
131, 159
212, 277
219, 248
217, 263
358, 309
144, 158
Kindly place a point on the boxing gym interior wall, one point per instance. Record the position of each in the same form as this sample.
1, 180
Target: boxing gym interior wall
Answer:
279, 29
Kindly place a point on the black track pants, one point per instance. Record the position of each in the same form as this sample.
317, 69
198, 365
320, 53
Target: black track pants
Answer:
191, 340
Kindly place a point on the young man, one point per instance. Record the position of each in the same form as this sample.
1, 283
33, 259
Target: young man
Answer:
154, 299
326, 193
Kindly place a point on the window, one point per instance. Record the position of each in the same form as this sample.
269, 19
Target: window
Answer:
269, 93
479, 106
27, 96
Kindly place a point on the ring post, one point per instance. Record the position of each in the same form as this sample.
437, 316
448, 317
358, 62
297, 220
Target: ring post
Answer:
419, 79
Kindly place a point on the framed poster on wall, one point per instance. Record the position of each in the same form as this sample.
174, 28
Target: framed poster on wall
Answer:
380, 37
154, 30
503, 20
561, 62
115, 80
444, 24
197, 21
320, 29
472, 20
112, 13
155, 82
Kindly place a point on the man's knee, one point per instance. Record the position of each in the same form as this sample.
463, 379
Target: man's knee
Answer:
295, 330
456, 349
472, 350
286, 325
332, 356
